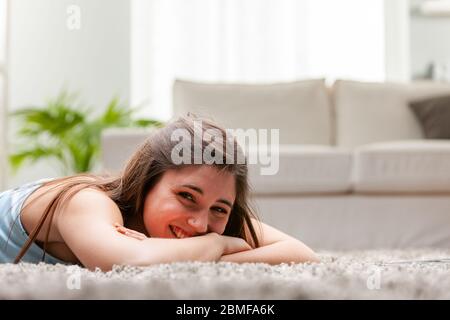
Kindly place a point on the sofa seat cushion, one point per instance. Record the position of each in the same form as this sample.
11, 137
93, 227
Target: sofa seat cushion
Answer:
403, 166
305, 169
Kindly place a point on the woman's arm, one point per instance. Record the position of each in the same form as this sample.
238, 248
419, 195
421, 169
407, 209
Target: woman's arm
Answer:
87, 226
275, 247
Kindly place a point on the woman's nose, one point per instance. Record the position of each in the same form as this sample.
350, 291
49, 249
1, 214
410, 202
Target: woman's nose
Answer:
199, 222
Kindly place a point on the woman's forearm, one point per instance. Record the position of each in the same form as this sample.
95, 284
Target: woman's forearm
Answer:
285, 251
160, 250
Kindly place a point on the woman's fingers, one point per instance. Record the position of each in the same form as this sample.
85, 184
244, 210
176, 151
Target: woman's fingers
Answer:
132, 234
135, 233
234, 244
129, 232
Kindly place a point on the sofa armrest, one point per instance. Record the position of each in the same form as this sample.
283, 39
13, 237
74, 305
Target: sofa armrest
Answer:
119, 144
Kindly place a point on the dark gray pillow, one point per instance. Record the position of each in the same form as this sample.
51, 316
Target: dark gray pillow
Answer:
434, 115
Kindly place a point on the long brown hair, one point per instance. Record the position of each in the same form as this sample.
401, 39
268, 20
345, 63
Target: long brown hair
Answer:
145, 168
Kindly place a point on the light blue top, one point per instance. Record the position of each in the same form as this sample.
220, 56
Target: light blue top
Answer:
12, 233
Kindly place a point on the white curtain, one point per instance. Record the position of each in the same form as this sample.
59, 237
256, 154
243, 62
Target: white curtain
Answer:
251, 41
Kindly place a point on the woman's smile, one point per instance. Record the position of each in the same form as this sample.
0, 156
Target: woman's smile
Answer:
179, 233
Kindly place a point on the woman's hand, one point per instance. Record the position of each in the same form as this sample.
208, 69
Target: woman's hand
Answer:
229, 244
233, 244
129, 232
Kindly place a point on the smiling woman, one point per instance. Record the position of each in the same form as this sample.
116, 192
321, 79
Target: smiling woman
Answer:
154, 212
188, 202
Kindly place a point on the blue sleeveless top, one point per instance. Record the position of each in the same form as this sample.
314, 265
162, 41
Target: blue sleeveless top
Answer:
12, 233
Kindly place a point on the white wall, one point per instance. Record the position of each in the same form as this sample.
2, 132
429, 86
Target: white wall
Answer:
430, 42
414, 41
46, 56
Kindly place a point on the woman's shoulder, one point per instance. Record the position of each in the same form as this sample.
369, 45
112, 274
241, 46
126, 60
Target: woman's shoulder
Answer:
93, 200
93, 197
92, 193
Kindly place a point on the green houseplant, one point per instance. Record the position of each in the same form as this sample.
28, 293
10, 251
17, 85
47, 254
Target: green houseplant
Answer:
68, 133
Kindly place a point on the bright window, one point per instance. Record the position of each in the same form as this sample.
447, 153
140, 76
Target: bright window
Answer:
251, 41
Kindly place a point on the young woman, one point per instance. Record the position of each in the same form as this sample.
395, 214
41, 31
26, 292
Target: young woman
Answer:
156, 211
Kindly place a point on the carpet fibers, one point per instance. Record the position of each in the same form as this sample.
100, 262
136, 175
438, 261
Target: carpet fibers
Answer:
375, 274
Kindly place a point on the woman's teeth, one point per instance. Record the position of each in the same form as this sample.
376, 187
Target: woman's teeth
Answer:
178, 232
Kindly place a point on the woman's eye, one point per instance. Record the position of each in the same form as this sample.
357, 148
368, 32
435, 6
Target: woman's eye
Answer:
187, 196
220, 210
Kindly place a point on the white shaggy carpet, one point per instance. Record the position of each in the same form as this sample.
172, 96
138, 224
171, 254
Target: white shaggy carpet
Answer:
380, 274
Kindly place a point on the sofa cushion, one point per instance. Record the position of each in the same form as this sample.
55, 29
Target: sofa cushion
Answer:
305, 169
403, 166
376, 112
301, 109
434, 116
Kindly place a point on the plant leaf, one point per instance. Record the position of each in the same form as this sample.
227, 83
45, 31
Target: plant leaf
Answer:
65, 132
19, 158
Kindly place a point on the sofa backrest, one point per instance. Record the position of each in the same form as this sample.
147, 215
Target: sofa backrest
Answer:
301, 109
347, 114
373, 112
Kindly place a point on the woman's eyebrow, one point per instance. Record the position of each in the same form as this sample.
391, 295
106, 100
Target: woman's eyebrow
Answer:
195, 188
199, 190
228, 203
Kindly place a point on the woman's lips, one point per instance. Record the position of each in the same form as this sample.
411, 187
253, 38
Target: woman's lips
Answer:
179, 233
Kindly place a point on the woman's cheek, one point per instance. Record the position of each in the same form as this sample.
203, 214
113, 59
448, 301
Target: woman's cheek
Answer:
173, 209
218, 226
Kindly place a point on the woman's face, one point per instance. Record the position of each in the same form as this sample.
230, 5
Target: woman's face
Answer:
189, 201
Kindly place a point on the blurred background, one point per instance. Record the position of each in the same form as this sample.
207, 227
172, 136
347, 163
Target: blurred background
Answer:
133, 50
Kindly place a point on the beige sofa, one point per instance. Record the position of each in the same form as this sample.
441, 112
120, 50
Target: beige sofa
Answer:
355, 171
